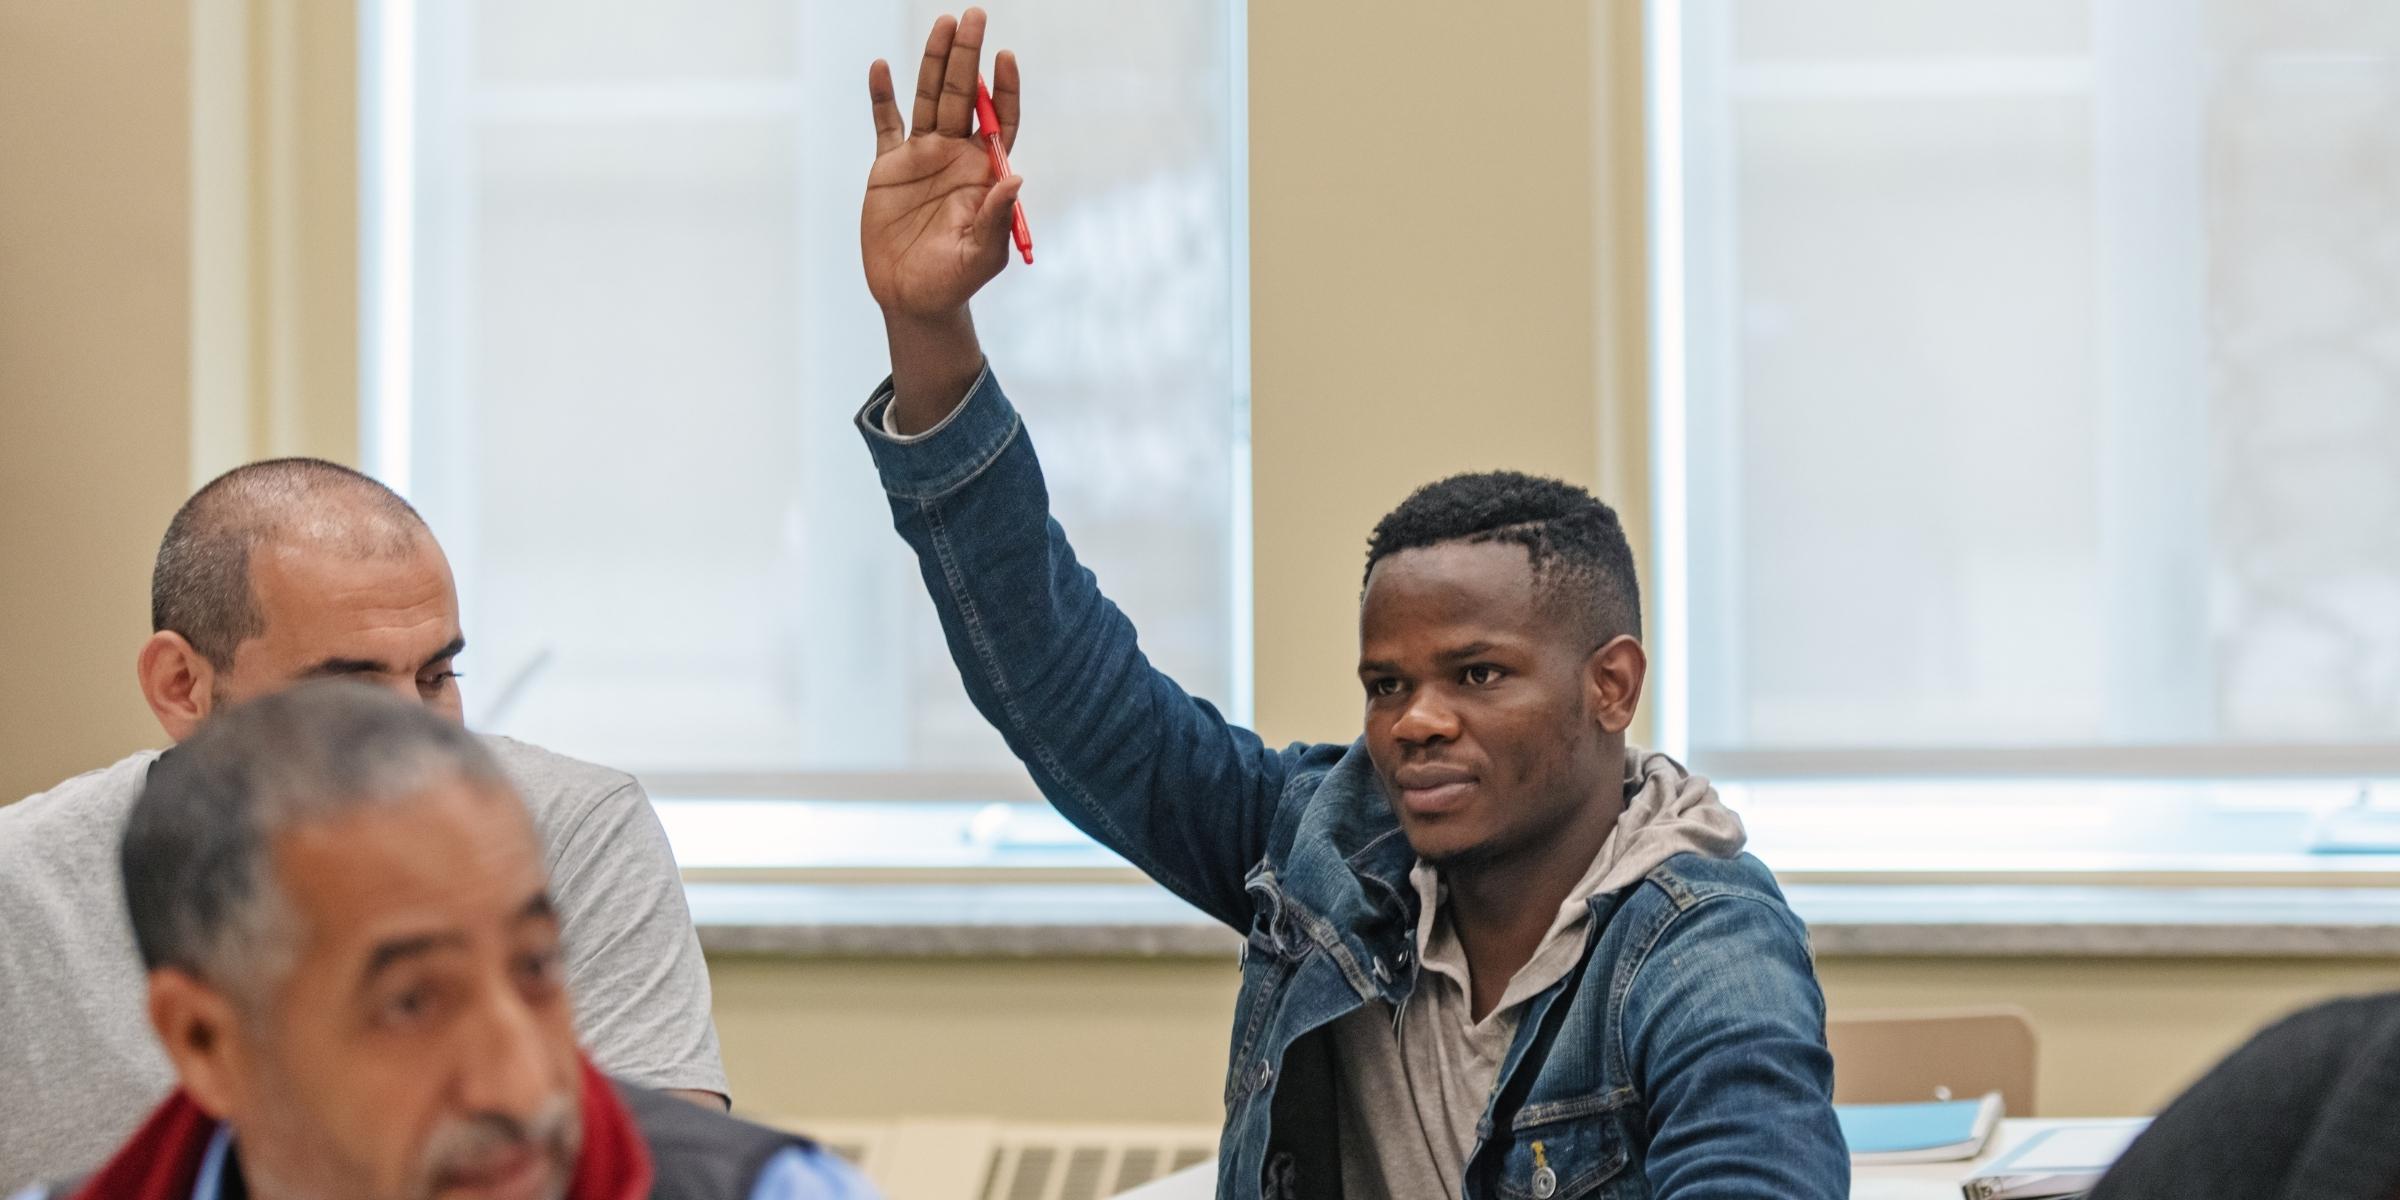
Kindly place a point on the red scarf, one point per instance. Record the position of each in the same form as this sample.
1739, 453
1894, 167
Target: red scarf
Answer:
162, 1162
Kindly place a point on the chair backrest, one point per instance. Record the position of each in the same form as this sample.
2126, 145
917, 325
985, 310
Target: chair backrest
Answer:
1892, 1057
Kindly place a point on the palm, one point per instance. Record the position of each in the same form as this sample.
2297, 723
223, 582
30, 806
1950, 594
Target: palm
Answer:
917, 231
935, 225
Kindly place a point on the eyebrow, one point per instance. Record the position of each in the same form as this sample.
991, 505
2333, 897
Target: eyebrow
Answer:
399, 950
457, 646
1475, 649
347, 666
369, 666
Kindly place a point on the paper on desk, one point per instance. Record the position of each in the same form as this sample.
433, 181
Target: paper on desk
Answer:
2054, 1163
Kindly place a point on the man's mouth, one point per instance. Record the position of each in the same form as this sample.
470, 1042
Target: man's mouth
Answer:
518, 1173
1431, 789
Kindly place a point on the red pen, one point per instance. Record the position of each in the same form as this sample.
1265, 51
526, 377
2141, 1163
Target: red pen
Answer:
988, 119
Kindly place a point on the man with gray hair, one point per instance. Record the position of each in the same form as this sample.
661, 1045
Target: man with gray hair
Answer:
279, 572
355, 963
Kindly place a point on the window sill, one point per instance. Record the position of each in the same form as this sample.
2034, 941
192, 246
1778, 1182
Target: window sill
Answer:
1141, 920
1877, 870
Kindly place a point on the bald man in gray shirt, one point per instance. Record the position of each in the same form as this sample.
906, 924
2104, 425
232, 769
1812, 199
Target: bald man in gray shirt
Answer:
274, 573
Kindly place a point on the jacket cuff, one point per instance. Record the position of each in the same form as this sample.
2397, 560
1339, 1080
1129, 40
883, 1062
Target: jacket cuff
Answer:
932, 464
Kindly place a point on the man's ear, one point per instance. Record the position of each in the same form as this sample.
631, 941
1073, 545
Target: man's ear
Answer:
1613, 678
178, 682
200, 1029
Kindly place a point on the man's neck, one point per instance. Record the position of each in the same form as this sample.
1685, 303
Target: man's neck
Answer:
1501, 909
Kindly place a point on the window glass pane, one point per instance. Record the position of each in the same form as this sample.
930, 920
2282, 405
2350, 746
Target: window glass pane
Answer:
2044, 376
640, 332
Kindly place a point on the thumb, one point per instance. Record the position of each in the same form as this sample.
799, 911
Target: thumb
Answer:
994, 216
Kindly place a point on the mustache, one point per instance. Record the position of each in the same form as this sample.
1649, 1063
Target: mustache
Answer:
464, 1146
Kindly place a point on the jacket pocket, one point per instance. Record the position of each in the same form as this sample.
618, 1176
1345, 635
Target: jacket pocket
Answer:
1569, 1157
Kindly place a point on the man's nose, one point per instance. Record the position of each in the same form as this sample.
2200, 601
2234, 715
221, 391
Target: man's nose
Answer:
510, 1067
1428, 719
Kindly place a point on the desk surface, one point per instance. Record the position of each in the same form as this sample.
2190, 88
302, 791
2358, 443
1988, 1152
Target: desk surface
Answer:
1915, 1181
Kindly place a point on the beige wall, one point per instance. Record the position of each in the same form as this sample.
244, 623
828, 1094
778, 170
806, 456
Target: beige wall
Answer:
1098, 1041
1035, 1040
1476, 301
94, 314
177, 283
1422, 261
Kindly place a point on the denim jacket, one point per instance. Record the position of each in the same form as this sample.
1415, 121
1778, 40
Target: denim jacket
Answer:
1683, 1059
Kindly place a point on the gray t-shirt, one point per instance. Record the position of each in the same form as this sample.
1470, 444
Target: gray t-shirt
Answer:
79, 1067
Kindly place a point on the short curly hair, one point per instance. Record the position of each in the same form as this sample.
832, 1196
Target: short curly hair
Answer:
1578, 547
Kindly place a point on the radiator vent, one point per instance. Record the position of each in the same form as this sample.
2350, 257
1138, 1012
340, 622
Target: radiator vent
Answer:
1070, 1163
1001, 1160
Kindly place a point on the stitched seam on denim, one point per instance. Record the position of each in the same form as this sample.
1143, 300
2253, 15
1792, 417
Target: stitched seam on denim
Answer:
1324, 935
1619, 1097
1237, 1073
1650, 943
1615, 1057
954, 579
977, 462
1808, 951
1675, 886
1372, 844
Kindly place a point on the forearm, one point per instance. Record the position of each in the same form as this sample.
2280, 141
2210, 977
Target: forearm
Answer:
935, 360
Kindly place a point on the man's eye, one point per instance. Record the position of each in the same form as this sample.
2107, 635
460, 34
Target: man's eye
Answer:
409, 1006
1383, 687
437, 681
538, 968
1481, 675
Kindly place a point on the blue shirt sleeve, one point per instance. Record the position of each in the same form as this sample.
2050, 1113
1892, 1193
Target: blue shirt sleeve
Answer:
806, 1173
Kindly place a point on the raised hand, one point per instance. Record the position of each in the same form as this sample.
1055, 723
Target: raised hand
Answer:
935, 226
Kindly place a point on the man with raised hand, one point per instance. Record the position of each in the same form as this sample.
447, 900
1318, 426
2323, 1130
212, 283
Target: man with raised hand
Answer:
1492, 949
278, 572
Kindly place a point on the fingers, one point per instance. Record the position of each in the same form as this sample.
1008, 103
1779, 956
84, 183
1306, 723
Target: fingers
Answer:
888, 131
1004, 97
929, 73
995, 216
956, 116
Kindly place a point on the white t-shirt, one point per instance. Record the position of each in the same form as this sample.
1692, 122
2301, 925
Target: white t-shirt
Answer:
79, 1067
